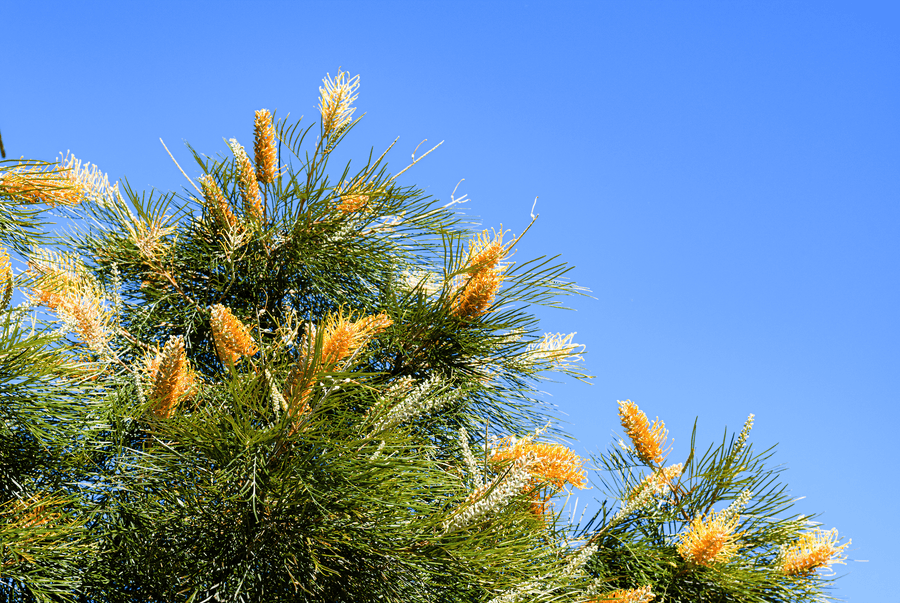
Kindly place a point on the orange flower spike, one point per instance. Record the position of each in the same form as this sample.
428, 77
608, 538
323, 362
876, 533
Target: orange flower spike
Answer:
6, 278
231, 337
216, 202
336, 101
171, 376
649, 442
264, 147
247, 183
343, 337
551, 463
709, 541
813, 550
32, 184
484, 281
635, 595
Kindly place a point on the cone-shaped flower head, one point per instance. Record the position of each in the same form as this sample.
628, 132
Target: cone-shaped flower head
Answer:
231, 337
246, 179
264, 149
171, 377
550, 463
336, 101
343, 337
6, 279
710, 540
68, 182
216, 202
649, 442
813, 550
63, 284
483, 282
634, 595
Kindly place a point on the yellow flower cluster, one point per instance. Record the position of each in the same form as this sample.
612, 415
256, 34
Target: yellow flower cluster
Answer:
549, 463
336, 100
649, 442
247, 183
264, 148
216, 202
710, 540
486, 273
232, 339
171, 377
67, 182
813, 550
6, 276
341, 338
634, 595
62, 285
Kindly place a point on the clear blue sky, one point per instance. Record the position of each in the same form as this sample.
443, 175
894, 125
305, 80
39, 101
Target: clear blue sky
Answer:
724, 176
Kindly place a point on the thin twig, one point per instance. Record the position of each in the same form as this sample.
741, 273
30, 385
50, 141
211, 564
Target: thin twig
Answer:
417, 160
179, 167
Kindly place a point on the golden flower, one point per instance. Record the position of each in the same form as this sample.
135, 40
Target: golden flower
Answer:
649, 442
216, 202
232, 339
246, 179
813, 550
485, 276
344, 337
336, 100
635, 595
171, 377
62, 285
550, 463
6, 276
264, 147
36, 184
709, 541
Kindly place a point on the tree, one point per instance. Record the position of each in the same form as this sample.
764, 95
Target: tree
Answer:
289, 383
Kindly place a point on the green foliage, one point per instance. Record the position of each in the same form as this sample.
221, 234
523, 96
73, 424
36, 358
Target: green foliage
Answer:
264, 390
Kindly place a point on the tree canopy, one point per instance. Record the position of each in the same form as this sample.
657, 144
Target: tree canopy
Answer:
293, 381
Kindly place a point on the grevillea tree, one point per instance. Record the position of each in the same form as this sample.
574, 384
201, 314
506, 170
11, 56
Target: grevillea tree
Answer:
290, 382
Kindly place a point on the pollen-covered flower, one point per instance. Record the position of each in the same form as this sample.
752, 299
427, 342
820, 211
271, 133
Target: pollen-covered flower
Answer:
480, 286
649, 442
343, 337
264, 149
552, 464
6, 278
63, 284
216, 202
231, 337
67, 182
813, 550
335, 101
171, 378
710, 540
246, 179
555, 348
634, 595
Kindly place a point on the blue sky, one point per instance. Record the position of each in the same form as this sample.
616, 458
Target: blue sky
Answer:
723, 175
